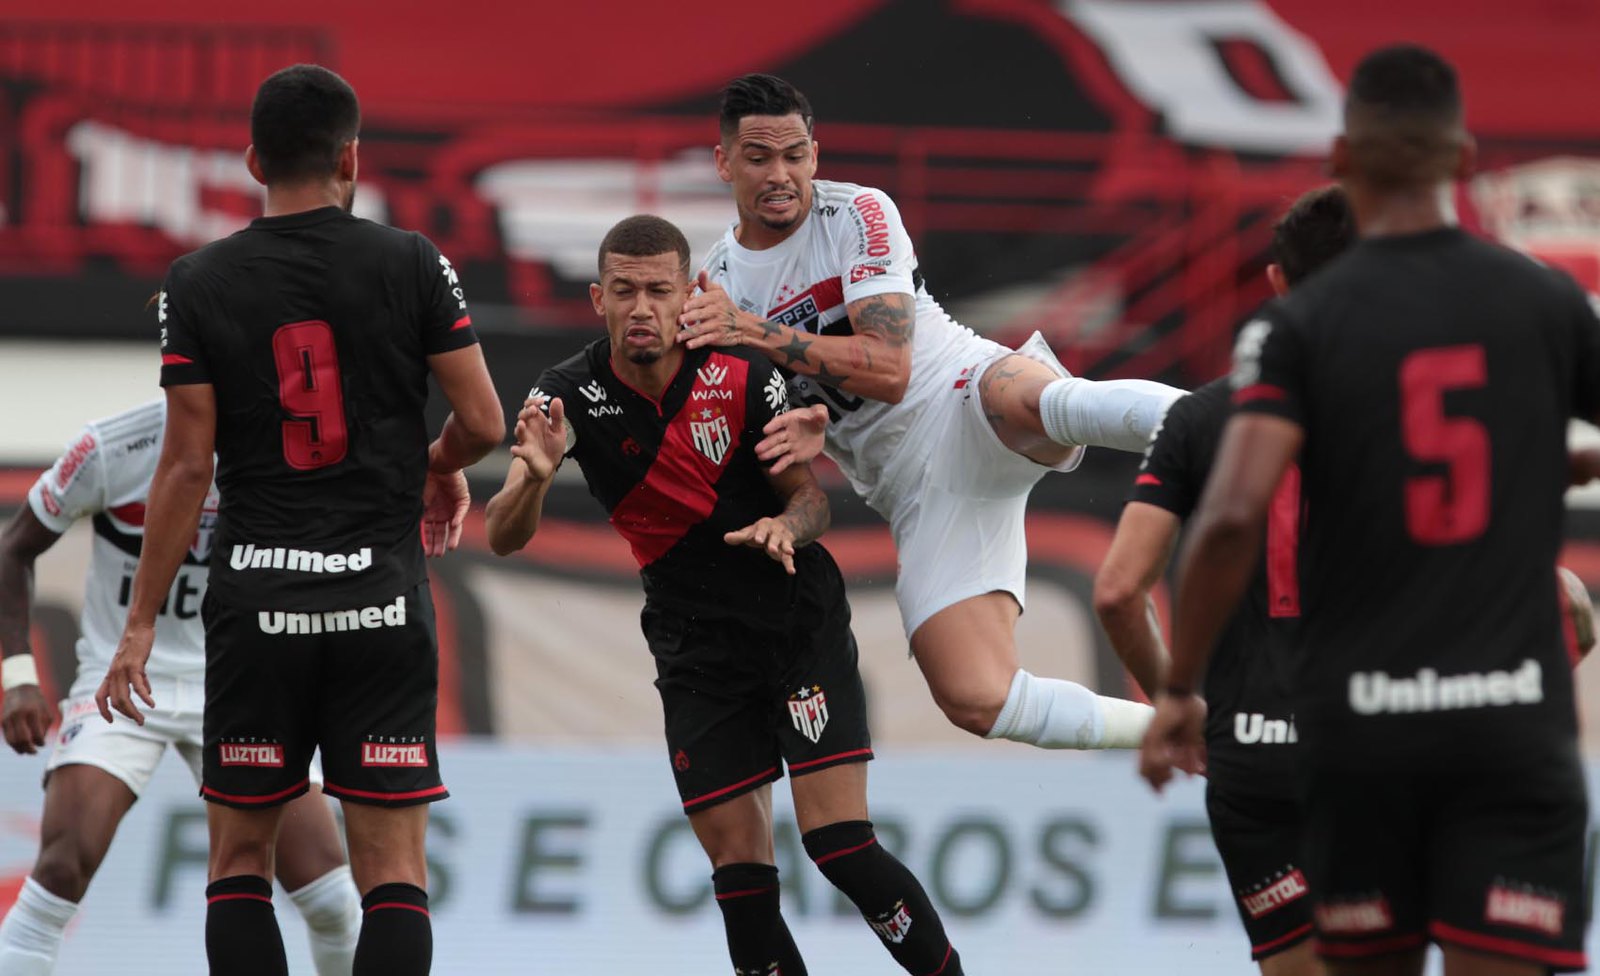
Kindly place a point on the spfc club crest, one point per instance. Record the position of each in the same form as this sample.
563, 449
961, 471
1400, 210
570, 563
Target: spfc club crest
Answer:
808, 709
711, 433
206, 534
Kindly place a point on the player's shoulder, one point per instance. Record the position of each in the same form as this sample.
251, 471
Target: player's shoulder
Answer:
760, 365
132, 431
573, 372
838, 201
715, 261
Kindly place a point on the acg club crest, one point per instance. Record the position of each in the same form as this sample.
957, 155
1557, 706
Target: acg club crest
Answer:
711, 433
808, 710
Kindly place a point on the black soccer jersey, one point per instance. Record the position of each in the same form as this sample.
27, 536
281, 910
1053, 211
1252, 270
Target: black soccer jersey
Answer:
1433, 375
1249, 721
314, 330
678, 473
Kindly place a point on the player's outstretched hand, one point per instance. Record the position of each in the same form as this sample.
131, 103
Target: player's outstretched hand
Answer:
793, 437
772, 534
25, 718
1174, 740
127, 671
710, 318
541, 438
445, 500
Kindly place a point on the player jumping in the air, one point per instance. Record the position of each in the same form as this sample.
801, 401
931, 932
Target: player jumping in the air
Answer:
943, 432
299, 350
1425, 381
96, 771
745, 613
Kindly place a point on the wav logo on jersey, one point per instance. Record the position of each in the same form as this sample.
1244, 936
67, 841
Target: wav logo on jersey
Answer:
593, 392
712, 374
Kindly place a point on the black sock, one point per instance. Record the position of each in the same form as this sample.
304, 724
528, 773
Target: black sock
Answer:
759, 942
396, 933
888, 894
242, 937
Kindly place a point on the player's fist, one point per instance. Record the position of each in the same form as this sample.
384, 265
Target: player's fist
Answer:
25, 718
1174, 740
772, 534
793, 437
541, 437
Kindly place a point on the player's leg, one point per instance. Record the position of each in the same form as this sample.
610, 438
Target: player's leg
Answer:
376, 726
1043, 413
82, 807
711, 678
1260, 839
1408, 962
242, 934
968, 656
1297, 960
313, 870
1465, 962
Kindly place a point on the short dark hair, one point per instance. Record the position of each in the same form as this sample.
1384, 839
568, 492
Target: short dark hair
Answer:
643, 236
758, 94
1319, 227
1405, 81
302, 117
1403, 118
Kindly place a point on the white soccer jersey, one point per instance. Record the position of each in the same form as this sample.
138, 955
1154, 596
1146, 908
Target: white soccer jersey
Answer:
851, 246
105, 475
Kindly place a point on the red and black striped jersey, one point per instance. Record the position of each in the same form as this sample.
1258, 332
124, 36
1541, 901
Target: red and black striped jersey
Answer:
314, 330
678, 473
1433, 375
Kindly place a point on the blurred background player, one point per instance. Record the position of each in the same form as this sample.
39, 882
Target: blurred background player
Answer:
97, 771
942, 432
1425, 381
1250, 743
299, 349
744, 613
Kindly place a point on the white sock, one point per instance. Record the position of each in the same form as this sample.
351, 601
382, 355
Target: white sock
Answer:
1104, 413
332, 912
1055, 714
31, 935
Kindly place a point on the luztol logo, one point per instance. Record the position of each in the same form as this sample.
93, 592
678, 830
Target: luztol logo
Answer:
394, 751
333, 621
593, 392
1276, 894
712, 374
893, 926
1525, 909
263, 754
1355, 917
248, 556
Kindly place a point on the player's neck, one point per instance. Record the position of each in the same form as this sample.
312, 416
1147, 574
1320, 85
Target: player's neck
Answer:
1395, 213
753, 235
300, 198
651, 379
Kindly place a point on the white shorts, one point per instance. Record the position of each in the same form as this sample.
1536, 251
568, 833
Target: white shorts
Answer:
958, 523
125, 749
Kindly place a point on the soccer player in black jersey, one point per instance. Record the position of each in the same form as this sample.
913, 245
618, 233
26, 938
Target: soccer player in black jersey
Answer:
1425, 380
744, 612
1250, 735
299, 350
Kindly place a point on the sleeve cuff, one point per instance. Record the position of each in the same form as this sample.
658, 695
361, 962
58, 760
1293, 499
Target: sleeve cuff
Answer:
882, 284
458, 335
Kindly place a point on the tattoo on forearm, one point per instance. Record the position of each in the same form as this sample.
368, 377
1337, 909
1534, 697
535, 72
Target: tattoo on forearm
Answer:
827, 378
770, 329
794, 351
807, 514
888, 317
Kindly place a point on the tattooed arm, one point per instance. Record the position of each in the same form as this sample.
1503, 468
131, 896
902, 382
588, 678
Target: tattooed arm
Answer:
874, 363
804, 518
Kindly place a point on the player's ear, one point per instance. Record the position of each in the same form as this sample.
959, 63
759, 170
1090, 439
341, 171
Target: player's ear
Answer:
252, 162
347, 161
595, 292
1278, 280
719, 155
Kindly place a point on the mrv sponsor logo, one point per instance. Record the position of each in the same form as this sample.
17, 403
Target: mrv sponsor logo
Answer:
333, 621
1377, 693
249, 556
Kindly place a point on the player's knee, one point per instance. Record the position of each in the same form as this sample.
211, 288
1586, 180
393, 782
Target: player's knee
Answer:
64, 870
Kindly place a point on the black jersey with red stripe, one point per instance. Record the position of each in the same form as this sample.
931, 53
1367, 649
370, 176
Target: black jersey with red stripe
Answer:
1250, 720
678, 473
313, 329
1433, 375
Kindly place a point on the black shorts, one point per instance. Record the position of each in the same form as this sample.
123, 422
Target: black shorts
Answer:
1488, 858
363, 685
1261, 840
741, 702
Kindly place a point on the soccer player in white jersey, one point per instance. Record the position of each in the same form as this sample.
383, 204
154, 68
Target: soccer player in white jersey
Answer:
97, 770
941, 431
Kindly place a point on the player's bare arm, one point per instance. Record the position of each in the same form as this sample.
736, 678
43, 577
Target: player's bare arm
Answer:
172, 516
1140, 553
25, 716
541, 440
874, 363
805, 517
1214, 573
474, 427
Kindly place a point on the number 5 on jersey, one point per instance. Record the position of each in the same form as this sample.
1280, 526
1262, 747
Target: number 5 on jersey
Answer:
314, 435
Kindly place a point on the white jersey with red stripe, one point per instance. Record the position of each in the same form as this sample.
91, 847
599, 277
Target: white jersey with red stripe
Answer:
852, 245
105, 476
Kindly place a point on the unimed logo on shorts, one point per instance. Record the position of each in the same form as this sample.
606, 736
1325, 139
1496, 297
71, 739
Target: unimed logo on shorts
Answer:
1290, 887
1355, 917
385, 754
333, 621
1524, 909
251, 754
